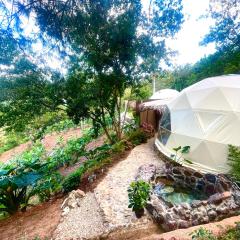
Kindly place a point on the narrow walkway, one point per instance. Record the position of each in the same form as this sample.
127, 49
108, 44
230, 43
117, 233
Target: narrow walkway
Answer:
111, 193
106, 209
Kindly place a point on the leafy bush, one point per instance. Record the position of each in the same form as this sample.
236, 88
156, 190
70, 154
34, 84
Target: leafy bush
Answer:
119, 147
137, 137
10, 140
232, 234
138, 194
20, 179
95, 159
202, 234
73, 180
60, 126
234, 161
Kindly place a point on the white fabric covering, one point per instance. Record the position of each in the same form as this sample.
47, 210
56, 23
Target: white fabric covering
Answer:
206, 116
164, 94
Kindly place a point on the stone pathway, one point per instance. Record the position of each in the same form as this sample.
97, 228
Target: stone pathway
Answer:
111, 193
106, 209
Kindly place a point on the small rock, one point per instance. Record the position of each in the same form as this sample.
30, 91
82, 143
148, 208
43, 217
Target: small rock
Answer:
196, 203
65, 212
212, 214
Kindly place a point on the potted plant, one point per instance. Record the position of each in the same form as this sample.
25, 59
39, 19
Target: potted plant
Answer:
138, 194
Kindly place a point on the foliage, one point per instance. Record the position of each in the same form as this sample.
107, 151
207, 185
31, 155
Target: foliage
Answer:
60, 126
137, 137
179, 152
225, 31
138, 194
119, 147
9, 140
202, 234
35, 173
234, 161
73, 180
106, 54
231, 234
22, 178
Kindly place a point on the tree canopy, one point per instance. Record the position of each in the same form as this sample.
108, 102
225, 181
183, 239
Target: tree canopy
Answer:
111, 45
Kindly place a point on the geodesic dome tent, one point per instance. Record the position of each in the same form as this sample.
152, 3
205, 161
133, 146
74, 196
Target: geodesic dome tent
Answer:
206, 117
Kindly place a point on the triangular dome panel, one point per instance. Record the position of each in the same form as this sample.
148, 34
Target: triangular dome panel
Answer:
208, 120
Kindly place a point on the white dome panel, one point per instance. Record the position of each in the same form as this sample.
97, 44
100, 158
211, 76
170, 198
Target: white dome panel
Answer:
206, 116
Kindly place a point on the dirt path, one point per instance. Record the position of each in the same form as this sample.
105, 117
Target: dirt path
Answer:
108, 206
49, 141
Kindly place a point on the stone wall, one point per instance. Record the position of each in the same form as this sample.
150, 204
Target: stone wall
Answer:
223, 197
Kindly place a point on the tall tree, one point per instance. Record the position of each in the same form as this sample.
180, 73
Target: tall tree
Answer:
111, 45
226, 30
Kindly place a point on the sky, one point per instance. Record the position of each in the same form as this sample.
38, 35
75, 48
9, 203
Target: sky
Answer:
186, 41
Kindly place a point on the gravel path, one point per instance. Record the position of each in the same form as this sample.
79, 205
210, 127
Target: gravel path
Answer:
82, 222
111, 193
106, 209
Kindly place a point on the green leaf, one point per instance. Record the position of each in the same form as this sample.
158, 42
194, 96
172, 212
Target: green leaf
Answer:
26, 179
177, 148
185, 149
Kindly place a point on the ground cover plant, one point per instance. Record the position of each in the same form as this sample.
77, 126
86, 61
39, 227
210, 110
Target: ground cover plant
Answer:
204, 234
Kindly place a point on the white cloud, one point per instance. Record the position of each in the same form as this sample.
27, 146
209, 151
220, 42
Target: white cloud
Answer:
187, 40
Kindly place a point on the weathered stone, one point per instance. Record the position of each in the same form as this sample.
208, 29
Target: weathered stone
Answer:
146, 172
184, 224
176, 171
219, 197
198, 175
171, 225
185, 205
212, 214
65, 212
187, 173
210, 189
211, 178
196, 203
222, 209
204, 219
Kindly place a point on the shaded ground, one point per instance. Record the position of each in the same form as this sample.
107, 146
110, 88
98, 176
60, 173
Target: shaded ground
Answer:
49, 141
39, 221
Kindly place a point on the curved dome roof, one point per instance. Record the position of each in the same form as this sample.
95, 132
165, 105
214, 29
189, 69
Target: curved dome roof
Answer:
206, 117
164, 94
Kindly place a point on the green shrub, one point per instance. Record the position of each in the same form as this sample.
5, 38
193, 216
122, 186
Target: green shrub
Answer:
232, 234
202, 234
138, 194
73, 180
137, 137
20, 179
234, 161
119, 147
